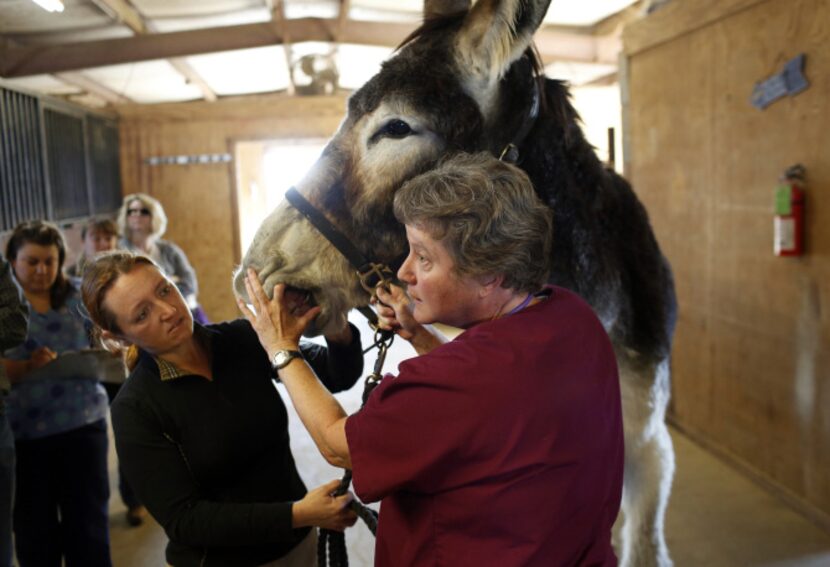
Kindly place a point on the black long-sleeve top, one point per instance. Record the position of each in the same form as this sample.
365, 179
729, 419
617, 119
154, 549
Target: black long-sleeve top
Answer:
211, 459
14, 321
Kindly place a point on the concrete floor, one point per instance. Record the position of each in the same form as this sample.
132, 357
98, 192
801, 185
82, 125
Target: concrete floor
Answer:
716, 516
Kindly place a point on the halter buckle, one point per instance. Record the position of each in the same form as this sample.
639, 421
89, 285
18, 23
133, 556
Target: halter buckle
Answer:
374, 275
510, 153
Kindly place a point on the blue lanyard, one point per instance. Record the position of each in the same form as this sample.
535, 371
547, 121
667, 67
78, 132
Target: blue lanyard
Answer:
522, 305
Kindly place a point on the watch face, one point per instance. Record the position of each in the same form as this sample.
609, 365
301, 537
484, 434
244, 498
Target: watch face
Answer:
283, 357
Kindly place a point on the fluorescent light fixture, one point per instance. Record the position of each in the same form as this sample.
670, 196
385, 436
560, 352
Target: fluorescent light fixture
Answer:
50, 5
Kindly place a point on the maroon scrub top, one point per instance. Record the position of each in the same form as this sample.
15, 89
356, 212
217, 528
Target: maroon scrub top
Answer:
503, 447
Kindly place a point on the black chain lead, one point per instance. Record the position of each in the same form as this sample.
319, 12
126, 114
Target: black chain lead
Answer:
331, 545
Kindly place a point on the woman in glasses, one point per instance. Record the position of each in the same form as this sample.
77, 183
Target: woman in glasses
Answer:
142, 222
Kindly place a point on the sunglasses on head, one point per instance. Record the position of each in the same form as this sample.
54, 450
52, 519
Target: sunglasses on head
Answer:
142, 212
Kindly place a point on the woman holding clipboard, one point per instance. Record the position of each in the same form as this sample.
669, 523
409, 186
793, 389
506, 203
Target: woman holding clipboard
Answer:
57, 411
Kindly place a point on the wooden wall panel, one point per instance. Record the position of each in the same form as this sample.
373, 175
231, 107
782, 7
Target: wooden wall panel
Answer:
199, 199
751, 362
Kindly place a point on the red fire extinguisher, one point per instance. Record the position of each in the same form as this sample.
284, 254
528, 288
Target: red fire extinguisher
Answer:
789, 213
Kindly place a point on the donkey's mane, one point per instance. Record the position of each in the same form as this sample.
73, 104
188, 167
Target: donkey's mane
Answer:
434, 25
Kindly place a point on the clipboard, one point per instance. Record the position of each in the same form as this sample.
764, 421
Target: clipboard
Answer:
82, 365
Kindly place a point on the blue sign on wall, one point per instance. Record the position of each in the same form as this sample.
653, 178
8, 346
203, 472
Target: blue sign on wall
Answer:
790, 81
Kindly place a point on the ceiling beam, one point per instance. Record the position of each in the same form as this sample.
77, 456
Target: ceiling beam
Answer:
553, 44
193, 77
76, 79
342, 18
123, 12
184, 68
615, 22
601, 81
281, 22
93, 87
576, 47
32, 60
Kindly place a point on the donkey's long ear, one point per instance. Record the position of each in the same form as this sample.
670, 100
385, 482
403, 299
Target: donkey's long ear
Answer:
438, 8
494, 34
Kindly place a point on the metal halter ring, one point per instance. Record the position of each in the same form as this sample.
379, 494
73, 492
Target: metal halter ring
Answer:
381, 273
510, 153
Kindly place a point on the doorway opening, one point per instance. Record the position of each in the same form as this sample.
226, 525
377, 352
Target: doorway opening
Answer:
265, 170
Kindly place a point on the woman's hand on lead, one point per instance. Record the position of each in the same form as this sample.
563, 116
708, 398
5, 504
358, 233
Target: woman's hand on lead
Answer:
275, 324
395, 311
320, 508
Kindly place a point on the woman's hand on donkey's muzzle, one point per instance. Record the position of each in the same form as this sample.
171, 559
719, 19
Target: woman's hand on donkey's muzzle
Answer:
277, 324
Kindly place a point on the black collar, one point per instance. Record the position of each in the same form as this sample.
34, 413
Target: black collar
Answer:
370, 273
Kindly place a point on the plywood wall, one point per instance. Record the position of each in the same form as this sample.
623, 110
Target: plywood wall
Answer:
200, 199
751, 362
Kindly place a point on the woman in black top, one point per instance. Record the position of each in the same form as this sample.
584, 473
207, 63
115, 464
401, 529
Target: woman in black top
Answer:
200, 429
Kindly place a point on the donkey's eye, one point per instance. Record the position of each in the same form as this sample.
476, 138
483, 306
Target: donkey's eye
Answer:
397, 129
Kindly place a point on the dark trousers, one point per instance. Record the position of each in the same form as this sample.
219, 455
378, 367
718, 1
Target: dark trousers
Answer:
60, 507
127, 495
6, 487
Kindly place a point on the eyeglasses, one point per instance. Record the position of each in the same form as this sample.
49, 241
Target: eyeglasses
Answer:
142, 212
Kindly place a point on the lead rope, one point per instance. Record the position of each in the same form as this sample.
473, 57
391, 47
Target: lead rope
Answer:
333, 541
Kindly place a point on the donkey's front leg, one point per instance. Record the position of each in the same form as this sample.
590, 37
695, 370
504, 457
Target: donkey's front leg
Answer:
649, 462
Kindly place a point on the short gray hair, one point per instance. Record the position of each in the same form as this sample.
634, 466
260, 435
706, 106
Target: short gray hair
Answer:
156, 210
486, 214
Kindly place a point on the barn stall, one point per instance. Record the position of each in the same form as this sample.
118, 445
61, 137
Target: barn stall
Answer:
750, 359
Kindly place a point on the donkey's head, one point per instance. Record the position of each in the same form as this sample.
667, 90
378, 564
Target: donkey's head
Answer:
461, 83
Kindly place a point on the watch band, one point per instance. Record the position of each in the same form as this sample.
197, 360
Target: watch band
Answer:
283, 357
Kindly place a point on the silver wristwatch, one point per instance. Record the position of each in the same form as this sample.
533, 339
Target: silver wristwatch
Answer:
283, 357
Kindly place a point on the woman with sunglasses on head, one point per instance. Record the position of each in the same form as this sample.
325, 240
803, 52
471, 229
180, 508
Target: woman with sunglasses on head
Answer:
142, 223
57, 410
200, 428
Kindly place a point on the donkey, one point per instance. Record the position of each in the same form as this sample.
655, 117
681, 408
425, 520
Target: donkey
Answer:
467, 81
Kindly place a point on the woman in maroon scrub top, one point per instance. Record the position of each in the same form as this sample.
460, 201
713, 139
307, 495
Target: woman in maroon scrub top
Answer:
503, 446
